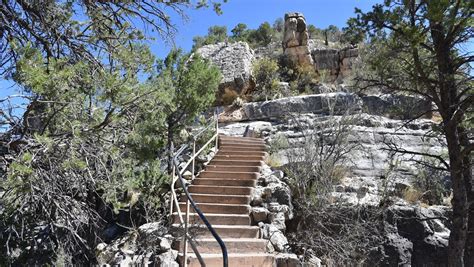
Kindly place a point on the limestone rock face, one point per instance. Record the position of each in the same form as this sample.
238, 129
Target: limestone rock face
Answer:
338, 62
425, 229
318, 104
338, 103
295, 39
235, 62
149, 246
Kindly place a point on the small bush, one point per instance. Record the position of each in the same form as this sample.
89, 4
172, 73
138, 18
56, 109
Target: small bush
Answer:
412, 195
228, 97
238, 102
273, 161
431, 182
266, 75
306, 79
278, 143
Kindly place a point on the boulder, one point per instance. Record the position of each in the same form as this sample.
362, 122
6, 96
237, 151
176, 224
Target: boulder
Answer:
287, 260
276, 237
259, 214
167, 259
326, 59
398, 250
280, 193
151, 235
425, 228
235, 62
266, 180
278, 174
277, 219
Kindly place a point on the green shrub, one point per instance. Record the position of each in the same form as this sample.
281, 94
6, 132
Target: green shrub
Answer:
266, 76
278, 143
306, 78
429, 182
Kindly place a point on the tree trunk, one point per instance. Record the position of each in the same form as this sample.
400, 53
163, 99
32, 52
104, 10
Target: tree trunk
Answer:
467, 172
469, 248
457, 239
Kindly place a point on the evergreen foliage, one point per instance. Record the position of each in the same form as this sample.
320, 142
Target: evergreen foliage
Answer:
87, 159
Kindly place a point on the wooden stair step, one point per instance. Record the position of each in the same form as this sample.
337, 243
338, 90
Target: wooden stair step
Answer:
219, 162
225, 182
220, 189
238, 157
223, 199
215, 218
235, 259
242, 148
233, 168
224, 231
234, 175
233, 245
242, 153
241, 139
218, 208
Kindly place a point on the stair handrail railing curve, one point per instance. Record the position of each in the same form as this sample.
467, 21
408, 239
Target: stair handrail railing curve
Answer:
177, 174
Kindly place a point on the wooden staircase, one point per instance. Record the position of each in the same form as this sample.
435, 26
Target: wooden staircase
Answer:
222, 192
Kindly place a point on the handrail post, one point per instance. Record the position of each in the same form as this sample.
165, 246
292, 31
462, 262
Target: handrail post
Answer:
172, 180
217, 130
186, 221
194, 156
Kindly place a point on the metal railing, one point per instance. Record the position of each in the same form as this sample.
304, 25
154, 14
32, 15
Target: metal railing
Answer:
177, 175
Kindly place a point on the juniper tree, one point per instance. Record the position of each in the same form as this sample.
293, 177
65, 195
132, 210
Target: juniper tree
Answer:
421, 53
88, 148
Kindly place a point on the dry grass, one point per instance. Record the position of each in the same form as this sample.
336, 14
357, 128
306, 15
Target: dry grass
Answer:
412, 195
273, 161
229, 96
436, 117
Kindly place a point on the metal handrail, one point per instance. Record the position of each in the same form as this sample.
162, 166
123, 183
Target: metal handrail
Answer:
190, 200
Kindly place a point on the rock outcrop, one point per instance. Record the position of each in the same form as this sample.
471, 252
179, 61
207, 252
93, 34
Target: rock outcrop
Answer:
149, 246
338, 62
235, 63
416, 236
295, 39
339, 103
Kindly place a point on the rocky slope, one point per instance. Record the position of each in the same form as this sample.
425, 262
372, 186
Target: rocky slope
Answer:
414, 233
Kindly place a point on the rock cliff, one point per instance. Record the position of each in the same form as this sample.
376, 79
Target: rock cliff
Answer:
338, 62
235, 62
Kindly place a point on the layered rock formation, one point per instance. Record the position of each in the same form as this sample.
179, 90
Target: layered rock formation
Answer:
413, 235
235, 62
338, 62
393, 106
295, 39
